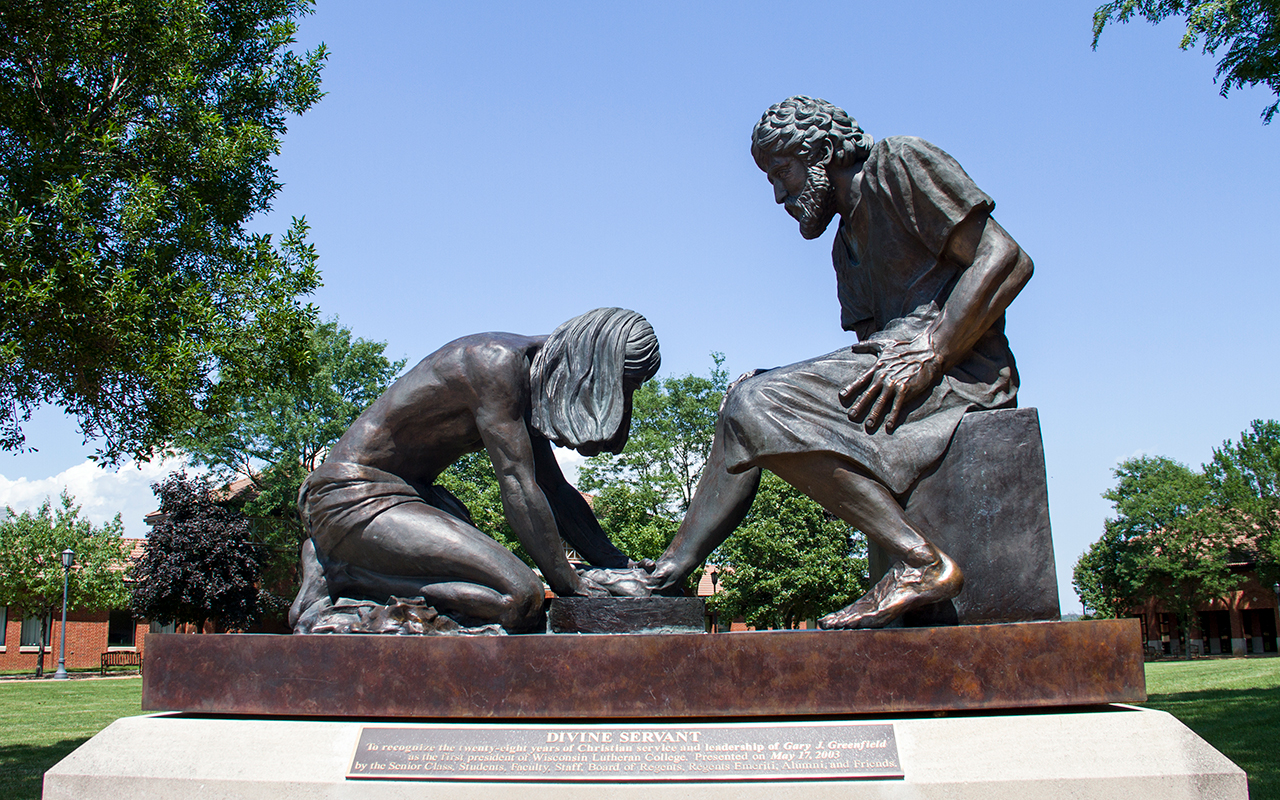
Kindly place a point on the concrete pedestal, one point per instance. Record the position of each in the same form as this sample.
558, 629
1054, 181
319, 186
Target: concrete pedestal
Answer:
1108, 752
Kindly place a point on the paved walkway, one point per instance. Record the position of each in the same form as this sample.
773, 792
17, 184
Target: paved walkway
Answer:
75, 676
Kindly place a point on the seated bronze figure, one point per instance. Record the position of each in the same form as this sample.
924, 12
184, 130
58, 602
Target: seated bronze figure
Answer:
924, 274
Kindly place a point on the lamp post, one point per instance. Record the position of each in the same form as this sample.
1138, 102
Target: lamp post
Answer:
715, 615
68, 558
1276, 588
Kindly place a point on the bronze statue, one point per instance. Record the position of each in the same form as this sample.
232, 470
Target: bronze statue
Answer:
924, 274
380, 530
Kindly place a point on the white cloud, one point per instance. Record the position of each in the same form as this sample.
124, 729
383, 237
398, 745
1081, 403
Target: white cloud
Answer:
101, 493
570, 461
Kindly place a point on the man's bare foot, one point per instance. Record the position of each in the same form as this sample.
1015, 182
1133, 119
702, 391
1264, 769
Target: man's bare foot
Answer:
617, 582
901, 589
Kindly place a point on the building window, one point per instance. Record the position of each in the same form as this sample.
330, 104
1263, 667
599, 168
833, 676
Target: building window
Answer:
1163, 620
1259, 630
4, 623
120, 629
30, 636
1215, 629
156, 627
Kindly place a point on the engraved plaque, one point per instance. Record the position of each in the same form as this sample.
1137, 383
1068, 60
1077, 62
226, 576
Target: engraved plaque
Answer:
639, 752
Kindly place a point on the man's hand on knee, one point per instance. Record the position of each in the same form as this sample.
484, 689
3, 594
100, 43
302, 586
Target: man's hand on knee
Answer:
902, 372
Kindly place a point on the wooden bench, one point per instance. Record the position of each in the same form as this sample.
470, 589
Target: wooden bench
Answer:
121, 658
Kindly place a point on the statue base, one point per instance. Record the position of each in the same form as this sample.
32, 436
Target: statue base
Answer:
755, 674
1107, 753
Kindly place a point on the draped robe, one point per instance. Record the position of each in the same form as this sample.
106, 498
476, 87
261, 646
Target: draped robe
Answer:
892, 278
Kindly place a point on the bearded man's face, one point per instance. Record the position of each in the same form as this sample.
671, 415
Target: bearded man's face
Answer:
805, 191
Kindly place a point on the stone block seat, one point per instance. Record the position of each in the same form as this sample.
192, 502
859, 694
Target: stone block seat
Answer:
986, 502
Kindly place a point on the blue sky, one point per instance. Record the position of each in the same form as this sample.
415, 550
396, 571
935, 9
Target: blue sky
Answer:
503, 166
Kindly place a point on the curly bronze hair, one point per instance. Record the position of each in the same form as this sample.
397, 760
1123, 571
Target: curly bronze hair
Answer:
801, 126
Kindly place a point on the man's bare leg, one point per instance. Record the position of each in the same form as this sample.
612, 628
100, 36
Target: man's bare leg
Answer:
471, 603
415, 550
921, 573
719, 505
313, 587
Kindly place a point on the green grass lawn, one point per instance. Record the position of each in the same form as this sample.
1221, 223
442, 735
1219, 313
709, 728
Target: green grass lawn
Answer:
1234, 704
42, 721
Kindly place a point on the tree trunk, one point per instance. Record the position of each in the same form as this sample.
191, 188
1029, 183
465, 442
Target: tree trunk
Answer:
44, 634
1184, 619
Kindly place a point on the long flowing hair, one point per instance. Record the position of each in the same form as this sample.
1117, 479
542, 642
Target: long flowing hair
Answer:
576, 378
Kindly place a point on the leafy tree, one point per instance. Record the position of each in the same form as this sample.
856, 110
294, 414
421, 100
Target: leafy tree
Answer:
31, 545
789, 561
1249, 29
275, 434
201, 562
1152, 494
1244, 479
1107, 577
136, 139
1187, 564
626, 516
1167, 541
289, 427
643, 492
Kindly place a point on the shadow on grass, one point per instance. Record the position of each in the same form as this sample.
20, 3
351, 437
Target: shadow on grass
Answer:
22, 766
1243, 724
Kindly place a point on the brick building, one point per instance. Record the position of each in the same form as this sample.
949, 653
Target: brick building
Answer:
90, 633
1242, 623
